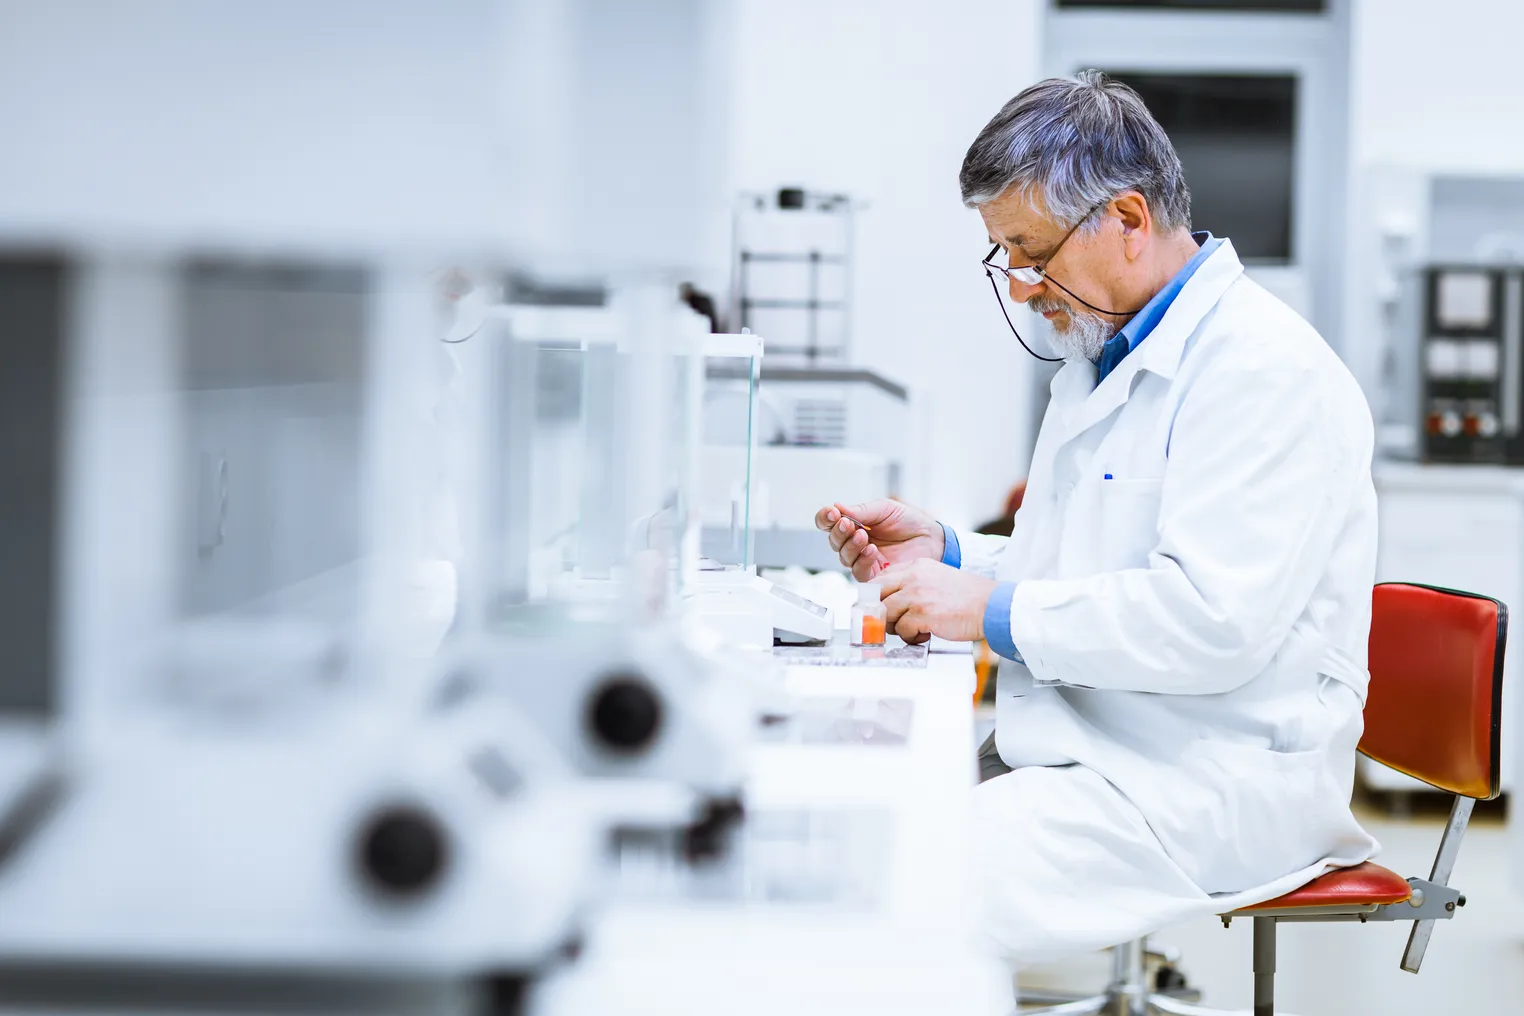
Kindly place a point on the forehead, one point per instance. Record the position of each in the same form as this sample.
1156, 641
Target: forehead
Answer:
1013, 220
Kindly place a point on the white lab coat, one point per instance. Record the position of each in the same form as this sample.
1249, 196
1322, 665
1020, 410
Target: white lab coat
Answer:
1183, 733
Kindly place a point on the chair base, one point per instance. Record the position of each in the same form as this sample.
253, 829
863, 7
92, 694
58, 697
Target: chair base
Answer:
1119, 1004
1128, 993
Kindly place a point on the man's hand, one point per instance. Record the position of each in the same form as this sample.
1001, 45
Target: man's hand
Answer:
926, 598
900, 534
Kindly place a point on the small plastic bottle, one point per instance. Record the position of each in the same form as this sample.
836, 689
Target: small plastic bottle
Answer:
868, 616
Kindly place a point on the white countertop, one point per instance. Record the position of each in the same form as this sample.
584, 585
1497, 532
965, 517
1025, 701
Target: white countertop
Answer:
1391, 474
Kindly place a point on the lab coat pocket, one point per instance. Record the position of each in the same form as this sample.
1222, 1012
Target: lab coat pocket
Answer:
1261, 814
1129, 522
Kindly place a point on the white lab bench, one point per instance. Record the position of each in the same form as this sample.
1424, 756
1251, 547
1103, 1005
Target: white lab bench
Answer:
907, 945
1459, 526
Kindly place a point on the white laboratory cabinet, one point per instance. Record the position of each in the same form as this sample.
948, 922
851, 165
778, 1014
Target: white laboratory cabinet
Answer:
1462, 527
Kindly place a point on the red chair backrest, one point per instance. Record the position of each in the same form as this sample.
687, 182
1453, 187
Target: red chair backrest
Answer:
1436, 695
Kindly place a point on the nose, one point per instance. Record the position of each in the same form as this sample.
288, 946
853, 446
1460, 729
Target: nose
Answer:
1021, 292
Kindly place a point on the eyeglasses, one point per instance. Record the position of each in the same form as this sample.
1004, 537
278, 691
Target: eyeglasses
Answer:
1031, 275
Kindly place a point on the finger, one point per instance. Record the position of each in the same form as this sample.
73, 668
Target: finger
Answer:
911, 627
897, 606
925, 636
868, 565
853, 548
843, 531
891, 580
827, 517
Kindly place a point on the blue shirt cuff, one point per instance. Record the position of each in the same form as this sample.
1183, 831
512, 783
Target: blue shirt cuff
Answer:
952, 552
997, 622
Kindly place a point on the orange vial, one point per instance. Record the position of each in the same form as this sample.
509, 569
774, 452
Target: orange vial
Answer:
868, 616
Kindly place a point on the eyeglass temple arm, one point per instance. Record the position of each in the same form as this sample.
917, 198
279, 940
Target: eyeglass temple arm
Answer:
1009, 324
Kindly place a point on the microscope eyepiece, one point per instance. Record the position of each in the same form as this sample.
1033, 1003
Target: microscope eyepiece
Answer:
625, 713
402, 850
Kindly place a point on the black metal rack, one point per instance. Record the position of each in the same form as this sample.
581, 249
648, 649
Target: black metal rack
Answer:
811, 304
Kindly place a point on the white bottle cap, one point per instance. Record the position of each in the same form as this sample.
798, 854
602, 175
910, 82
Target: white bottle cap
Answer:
868, 593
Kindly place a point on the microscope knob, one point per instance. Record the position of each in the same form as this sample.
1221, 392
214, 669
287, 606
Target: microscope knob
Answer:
402, 850
625, 713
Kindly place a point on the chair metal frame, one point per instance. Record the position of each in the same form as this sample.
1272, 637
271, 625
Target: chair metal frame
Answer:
1429, 899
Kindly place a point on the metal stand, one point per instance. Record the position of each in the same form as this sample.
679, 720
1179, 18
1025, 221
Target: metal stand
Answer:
1129, 994
1264, 966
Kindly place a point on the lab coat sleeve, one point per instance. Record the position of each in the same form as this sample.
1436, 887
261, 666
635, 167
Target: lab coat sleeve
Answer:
1264, 459
975, 552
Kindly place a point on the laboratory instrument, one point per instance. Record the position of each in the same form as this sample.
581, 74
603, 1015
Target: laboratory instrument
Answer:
752, 612
828, 429
826, 435
725, 594
1447, 311
578, 487
256, 783
1473, 374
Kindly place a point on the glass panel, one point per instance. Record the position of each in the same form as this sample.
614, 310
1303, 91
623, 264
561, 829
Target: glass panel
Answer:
273, 409
588, 458
273, 375
1236, 139
729, 449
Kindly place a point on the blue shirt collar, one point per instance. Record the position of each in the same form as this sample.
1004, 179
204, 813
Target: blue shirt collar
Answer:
1147, 319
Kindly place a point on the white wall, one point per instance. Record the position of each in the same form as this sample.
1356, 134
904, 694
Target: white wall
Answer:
1432, 90
565, 133
881, 100
285, 122
1438, 87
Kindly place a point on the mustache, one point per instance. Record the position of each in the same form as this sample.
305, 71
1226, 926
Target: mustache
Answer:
1047, 304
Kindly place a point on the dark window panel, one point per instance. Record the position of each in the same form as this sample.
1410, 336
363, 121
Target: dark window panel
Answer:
31, 396
1236, 137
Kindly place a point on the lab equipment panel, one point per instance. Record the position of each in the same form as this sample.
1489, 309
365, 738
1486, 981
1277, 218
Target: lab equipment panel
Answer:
1470, 364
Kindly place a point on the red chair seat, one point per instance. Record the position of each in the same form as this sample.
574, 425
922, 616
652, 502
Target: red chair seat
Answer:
1361, 885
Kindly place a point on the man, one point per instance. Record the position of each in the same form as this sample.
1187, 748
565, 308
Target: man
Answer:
1184, 603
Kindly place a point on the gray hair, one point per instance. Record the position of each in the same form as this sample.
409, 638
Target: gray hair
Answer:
1074, 144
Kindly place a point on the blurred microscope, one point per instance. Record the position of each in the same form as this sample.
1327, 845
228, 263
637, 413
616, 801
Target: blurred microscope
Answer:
371, 679
301, 709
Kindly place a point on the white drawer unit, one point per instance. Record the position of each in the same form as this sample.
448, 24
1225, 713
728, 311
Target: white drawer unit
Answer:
1461, 527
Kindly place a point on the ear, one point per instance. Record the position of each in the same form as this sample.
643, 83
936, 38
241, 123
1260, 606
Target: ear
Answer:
1131, 209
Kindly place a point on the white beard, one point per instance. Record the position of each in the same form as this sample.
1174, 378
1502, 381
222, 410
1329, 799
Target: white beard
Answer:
1085, 336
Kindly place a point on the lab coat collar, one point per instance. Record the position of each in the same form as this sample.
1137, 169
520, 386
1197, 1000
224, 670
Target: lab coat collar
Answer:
1091, 403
